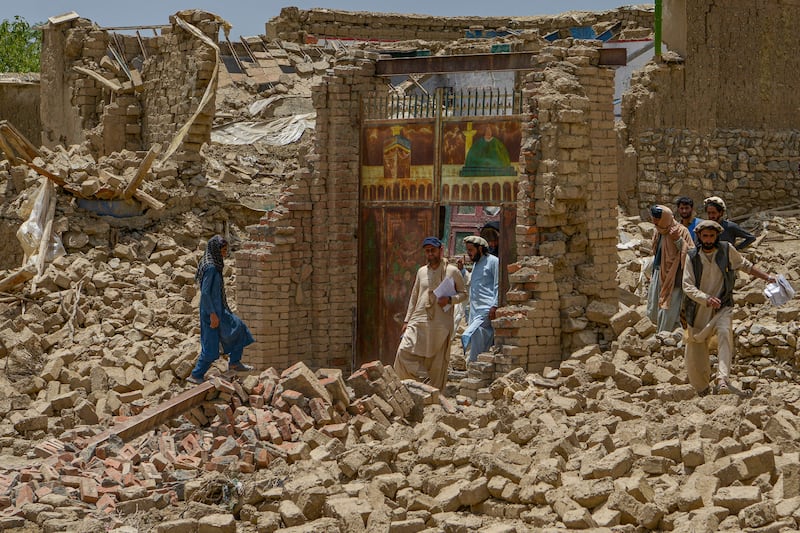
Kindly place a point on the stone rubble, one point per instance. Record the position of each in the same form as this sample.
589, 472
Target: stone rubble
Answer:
613, 439
619, 442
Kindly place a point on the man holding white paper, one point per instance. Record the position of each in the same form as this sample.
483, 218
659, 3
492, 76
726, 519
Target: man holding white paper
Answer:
428, 326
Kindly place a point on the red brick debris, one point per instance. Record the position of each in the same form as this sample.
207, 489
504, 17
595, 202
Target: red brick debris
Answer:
239, 426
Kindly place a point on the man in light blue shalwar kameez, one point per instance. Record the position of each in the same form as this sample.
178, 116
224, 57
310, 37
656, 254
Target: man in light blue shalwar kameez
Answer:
483, 298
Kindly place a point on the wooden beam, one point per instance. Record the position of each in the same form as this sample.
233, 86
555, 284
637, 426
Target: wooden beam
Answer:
113, 85
141, 172
148, 200
153, 417
55, 179
479, 62
456, 63
19, 141
17, 278
11, 155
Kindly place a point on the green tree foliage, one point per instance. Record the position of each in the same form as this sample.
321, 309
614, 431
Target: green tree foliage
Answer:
20, 46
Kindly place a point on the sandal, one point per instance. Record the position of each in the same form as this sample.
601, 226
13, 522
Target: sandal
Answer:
722, 387
240, 367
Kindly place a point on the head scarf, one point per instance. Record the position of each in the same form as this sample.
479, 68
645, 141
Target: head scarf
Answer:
708, 224
213, 257
673, 258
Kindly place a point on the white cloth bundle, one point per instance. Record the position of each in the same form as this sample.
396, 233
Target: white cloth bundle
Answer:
779, 292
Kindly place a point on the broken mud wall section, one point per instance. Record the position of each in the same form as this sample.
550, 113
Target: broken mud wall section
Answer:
563, 289
722, 120
124, 92
19, 103
297, 25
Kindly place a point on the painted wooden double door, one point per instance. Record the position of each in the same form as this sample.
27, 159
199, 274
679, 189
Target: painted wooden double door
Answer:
444, 166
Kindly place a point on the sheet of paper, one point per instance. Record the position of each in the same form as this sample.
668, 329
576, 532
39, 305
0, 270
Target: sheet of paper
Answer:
446, 288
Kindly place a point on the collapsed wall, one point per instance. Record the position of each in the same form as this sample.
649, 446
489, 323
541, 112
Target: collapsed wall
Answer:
299, 25
152, 86
563, 288
713, 122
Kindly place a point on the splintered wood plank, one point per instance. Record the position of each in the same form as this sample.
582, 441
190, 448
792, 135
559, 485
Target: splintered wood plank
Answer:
17, 278
141, 172
111, 84
148, 200
153, 417
18, 141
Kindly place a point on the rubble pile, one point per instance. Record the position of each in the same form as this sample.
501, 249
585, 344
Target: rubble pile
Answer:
613, 438
612, 441
241, 427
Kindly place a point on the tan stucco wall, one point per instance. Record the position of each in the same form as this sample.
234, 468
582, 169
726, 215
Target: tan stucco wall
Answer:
724, 120
19, 104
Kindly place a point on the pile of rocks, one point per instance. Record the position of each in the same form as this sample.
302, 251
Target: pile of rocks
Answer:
618, 442
294, 416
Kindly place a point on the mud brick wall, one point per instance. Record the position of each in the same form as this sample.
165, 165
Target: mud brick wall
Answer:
175, 74
296, 25
563, 290
174, 83
721, 121
19, 104
750, 169
297, 283
70, 102
276, 308
298, 273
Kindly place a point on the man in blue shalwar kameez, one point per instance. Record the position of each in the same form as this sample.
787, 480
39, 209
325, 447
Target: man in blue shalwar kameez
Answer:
483, 297
218, 325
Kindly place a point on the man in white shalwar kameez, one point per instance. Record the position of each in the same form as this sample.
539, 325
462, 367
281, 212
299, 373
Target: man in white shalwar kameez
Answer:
708, 282
428, 328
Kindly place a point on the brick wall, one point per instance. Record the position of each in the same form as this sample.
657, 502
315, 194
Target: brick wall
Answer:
174, 82
296, 25
563, 288
175, 74
297, 287
750, 169
722, 120
19, 103
298, 274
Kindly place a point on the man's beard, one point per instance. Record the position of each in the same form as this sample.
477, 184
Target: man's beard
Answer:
708, 246
477, 257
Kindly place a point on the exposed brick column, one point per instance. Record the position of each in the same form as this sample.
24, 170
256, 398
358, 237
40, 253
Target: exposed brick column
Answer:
334, 195
297, 277
563, 285
174, 83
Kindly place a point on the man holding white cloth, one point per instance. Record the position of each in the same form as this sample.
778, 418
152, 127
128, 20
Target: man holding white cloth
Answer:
428, 326
708, 282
